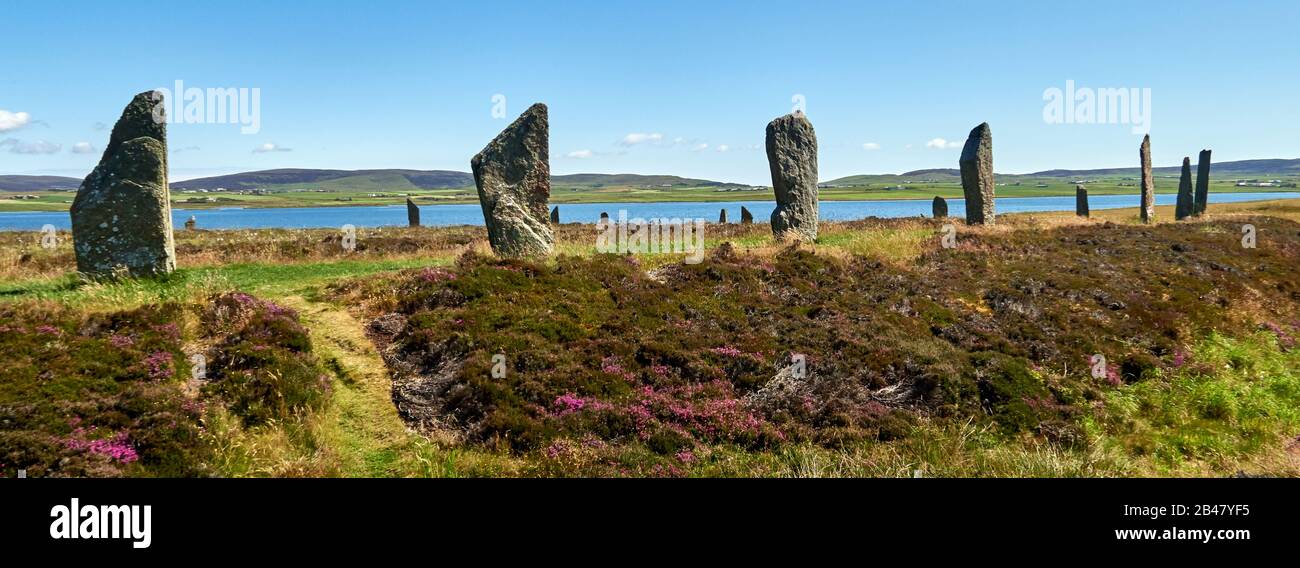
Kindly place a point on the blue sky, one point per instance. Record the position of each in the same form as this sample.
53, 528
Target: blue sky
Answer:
377, 84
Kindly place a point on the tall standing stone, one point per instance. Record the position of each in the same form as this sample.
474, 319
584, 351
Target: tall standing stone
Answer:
746, 217
977, 175
792, 157
513, 175
122, 215
1186, 199
939, 207
722, 216
1081, 201
1148, 182
412, 213
555, 215
1202, 182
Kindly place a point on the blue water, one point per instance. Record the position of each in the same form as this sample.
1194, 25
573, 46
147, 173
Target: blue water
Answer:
472, 214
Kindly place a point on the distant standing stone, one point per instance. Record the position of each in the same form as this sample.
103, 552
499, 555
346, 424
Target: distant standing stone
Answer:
191, 223
412, 213
722, 217
604, 217
940, 207
555, 215
122, 215
977, 175
1202, 182
1186, 199
745, 216
513, 175
792, 157
1081, 201
1148, 182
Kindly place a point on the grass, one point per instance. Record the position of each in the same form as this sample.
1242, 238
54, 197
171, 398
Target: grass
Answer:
863, 303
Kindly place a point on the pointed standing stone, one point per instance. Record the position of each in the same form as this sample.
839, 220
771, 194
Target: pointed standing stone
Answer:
1081, 201
122, 215
412, 213
977, 175
939, 207
1202, 182
555, 215
1148, 182
745, 216
722, 217
792, 157
513, 175
1186, 199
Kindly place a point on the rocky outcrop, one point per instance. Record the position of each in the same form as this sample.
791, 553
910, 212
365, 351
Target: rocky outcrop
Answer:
792, 157
977, 175
513, 175
122, 215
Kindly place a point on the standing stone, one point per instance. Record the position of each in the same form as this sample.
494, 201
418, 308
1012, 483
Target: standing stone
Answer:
940, 207
1202, 182
792, 157
745, 216
1148, 182
513, 175
555, 215
977, 175
191, 223
1081, 201
722, 217
412, 213
122, 215
1186, 199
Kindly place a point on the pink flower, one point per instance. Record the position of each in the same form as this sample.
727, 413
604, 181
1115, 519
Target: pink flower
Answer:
569, 403
120, 341
160, 365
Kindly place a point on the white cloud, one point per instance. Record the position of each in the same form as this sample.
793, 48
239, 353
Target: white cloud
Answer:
940, 143
700, 147
83, 148
723, 147
13, 120
871, 146
270, 147
17, 146
641, 137
579, 154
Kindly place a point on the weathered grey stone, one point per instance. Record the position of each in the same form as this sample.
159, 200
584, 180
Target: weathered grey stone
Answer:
555, 215
1202, 182
745, 216
412, 213
792, 157
939, 207
722, 216
977, 175
1081, 201
513, 175
191, 223
1186, 199
1148, 182
122, 215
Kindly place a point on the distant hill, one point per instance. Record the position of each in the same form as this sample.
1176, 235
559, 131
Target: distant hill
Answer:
1241, 168
333, 179
631, 180
37, 183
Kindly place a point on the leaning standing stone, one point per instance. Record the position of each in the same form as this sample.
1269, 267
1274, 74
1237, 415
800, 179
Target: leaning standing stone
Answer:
513, 175
1202, 182
1081, 201
412, 213
122, 215
745, 216
1148, 183
555, 215
792, 157
940, 207
1186, 199
977, 175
